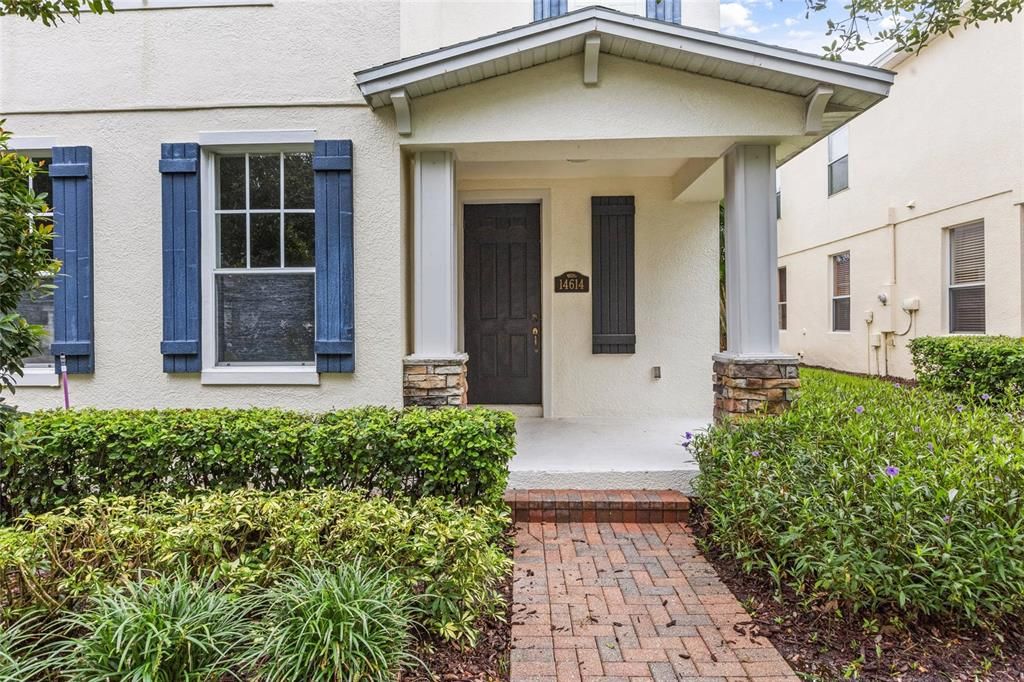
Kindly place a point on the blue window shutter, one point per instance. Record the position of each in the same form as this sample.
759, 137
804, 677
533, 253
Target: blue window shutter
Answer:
665, 10
71, 176
335, 292
179, 170
545, 9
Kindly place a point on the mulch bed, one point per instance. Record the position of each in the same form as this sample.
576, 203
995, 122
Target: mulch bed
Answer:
820, 645
488, 661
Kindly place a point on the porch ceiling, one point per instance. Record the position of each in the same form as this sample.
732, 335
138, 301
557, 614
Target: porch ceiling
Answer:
854, 87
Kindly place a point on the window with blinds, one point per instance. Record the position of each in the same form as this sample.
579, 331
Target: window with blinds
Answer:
782, 299
967, 279
841, 292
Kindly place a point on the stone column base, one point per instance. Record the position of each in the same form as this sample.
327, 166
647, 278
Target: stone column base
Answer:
435, 382
752, 386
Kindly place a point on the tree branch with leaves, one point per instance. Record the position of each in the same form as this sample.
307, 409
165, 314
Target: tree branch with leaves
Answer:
27, 267
52, 12
906, 24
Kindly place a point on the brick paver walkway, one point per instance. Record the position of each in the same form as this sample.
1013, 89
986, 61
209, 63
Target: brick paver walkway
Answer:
628, 602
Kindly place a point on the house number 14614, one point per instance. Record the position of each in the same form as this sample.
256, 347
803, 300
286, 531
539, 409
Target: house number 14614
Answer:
572, 283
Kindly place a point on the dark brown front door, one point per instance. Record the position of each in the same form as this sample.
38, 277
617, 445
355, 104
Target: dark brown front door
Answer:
502, 303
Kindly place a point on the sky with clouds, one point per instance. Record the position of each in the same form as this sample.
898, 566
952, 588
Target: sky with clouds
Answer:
785, 23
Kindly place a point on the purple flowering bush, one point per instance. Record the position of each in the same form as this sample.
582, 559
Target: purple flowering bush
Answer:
877, 497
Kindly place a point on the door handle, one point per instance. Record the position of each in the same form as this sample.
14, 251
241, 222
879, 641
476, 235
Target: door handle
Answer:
536, 339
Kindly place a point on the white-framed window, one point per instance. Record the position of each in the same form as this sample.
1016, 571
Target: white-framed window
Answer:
841, 292
967, 279
838, 160
259, 255
783, 318
778, 195
37, 308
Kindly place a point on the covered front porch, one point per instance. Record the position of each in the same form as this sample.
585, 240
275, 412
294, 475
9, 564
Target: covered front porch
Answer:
563, 185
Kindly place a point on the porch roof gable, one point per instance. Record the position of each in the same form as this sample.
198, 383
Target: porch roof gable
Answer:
854, 87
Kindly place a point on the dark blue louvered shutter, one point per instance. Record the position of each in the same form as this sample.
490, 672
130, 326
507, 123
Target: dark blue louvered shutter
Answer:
545, 9
179, 170
612, 290
335, 293
665, 10
71, 178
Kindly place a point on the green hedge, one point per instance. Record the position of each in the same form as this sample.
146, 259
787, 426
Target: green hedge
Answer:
54, 458
970, 365
451, 556
875, 497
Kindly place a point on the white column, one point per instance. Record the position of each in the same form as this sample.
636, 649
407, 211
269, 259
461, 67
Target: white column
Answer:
751, 252
435, 333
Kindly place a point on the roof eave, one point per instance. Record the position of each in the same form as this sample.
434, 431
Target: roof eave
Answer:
386, 78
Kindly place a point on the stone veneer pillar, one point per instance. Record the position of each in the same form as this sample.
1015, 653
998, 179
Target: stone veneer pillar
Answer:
747, 387
752, 377
435, 374
435, 382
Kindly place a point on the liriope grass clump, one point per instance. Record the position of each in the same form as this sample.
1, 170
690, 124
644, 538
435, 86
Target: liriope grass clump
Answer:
322, 624
876, 497
351, 621
169, 628
23, 652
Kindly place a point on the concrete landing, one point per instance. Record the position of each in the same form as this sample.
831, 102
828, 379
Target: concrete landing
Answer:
601, 453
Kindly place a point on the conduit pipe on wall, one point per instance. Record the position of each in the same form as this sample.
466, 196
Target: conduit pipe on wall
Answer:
887, 334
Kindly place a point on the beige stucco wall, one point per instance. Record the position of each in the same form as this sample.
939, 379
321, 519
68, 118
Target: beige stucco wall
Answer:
290, 52
676, 299
947, 140
164, 76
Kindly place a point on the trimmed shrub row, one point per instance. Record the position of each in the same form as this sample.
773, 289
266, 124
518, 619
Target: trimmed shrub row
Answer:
970, 365
876, 497
451, 556
54, 458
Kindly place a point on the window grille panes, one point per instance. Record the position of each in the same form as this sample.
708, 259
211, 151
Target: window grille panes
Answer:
545, 9
665, 10
841, 292
37, 308
967, 279
264, 281
782, 298
838, 161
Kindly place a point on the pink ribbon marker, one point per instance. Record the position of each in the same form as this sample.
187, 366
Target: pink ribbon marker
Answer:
64, 379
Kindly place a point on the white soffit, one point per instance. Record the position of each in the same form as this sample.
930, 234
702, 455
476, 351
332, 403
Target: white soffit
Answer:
855, 86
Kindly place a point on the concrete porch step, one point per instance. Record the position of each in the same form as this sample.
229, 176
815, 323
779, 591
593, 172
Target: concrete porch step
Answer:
556, 478
600, 506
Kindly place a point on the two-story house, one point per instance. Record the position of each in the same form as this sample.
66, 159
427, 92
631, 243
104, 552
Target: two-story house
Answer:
907, 221
314, 204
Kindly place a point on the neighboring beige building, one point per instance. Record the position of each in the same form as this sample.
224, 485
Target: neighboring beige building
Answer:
925, 238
